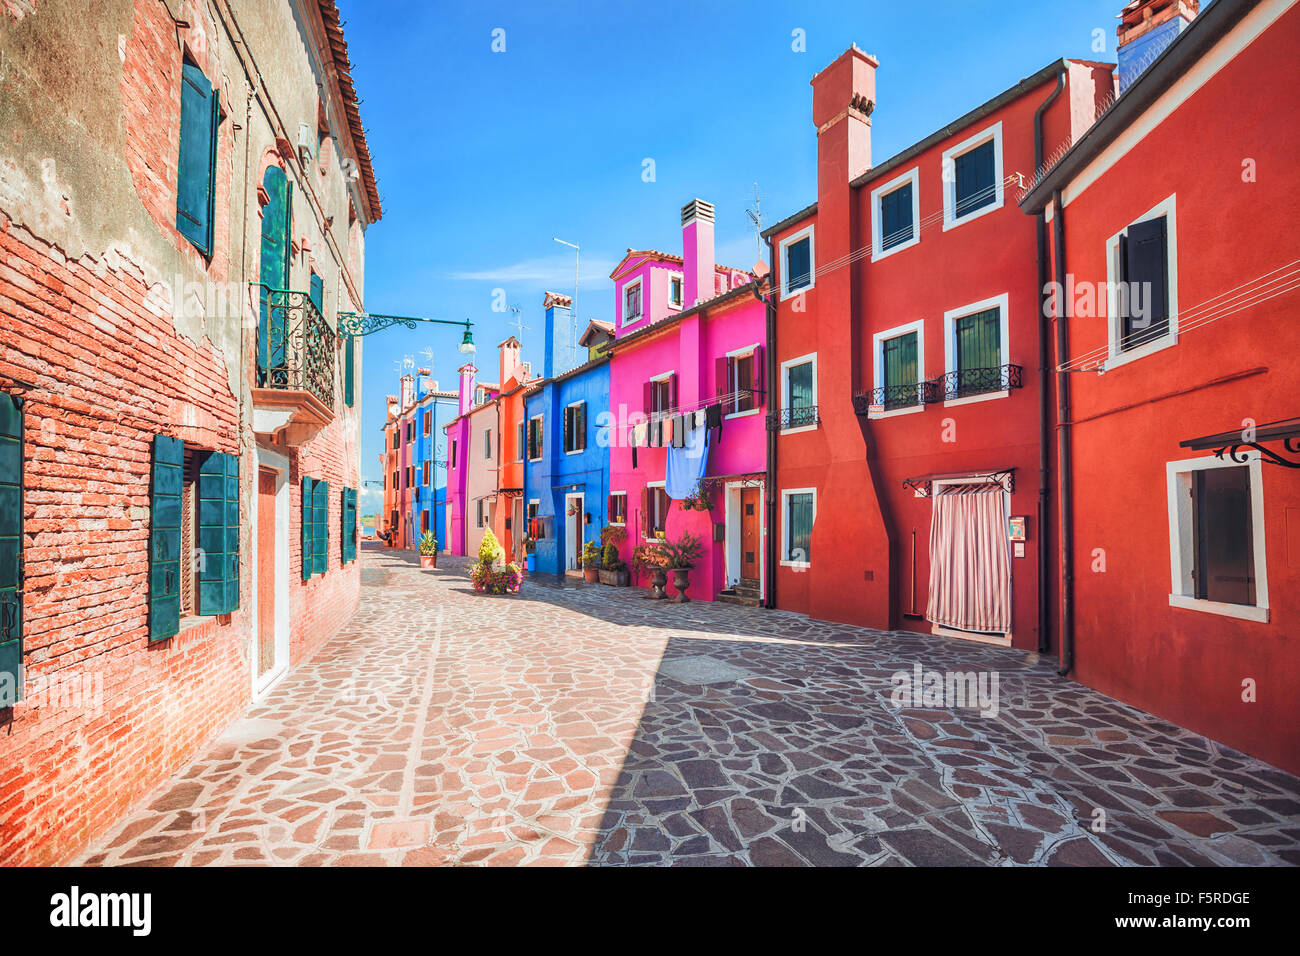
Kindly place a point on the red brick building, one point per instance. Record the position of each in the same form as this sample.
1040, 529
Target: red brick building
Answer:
905, 356
1176, 323
182, 217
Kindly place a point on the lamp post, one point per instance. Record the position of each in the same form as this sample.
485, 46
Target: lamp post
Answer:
363, 323
573, 311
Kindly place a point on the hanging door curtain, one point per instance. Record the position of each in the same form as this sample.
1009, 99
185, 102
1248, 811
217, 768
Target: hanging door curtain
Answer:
970, 570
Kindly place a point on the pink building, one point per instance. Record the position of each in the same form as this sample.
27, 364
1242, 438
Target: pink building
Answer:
687, 377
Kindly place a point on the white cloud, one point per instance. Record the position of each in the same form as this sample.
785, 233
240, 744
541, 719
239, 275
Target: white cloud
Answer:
553, 272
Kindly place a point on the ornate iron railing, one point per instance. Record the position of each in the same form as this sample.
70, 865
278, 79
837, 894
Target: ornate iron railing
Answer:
295, 345
800, 417
891, 397
965, 382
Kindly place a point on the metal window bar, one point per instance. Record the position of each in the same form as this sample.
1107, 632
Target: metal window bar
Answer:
962, 383
297, 351
799, 416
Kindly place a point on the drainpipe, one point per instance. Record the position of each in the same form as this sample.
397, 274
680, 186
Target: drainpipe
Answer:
769, 483
1063, 445
1044, 402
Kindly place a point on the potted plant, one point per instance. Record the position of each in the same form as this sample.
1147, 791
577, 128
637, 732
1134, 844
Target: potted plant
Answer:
428, 550
612, 569
487, 577
679, 557
590, 562
649, 559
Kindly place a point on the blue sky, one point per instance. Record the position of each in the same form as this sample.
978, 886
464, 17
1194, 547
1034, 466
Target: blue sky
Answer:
483, 157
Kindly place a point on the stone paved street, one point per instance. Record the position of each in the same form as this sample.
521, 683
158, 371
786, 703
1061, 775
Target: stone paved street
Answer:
588, 725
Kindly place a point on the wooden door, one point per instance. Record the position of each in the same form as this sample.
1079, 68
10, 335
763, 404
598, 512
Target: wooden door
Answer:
749, 536
266, 480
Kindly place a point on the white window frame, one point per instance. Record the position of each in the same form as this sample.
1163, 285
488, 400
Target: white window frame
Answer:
622, 305
782, 246
1114, 323
623, 523
487, 444
878, 341
878, 251
539, 418
786, 493
576, 451
656, 539
948, 173
950, 343
681, 281
1181, 544
735, 354
785, 389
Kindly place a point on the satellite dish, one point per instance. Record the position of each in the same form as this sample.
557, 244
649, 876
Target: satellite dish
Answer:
761, 270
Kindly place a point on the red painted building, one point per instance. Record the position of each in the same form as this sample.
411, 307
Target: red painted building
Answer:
908, 318
1174, 225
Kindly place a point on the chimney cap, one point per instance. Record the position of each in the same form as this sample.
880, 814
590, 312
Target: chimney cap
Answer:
697, 209
558, 299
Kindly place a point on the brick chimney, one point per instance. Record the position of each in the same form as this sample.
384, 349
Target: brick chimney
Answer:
560, 347
1146, 28
509, 359
408, 391
467, 373
697, 252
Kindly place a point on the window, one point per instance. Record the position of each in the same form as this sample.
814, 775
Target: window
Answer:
617, 510
1142, 285
316, 292
349, 373
535, 438
675, 291
479, 518
660, 398
196, 166
11, 549
972, 177
575, 428
519, 442
798, 513
480, 395
797, 263
397, 435
654, 519
428, 423
799, 393
453, 453
410, 476
1216, 538
897, 214
740, 380
424, 522
976, 352
536, 523
632, 301
899, 358
314, 530
425, 476
487, 443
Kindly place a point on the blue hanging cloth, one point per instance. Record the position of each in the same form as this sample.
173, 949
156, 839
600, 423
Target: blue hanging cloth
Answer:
686, 464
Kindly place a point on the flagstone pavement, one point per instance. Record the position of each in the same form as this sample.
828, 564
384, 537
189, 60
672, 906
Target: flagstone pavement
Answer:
588, 725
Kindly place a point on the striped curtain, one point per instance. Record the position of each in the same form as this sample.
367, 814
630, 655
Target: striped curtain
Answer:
970, 570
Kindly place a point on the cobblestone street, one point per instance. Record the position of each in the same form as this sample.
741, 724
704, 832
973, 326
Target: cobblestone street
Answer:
588, 725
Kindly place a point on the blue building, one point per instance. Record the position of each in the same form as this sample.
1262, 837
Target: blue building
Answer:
430, 410
566, 469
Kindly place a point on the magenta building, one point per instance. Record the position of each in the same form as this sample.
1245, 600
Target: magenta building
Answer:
687, 408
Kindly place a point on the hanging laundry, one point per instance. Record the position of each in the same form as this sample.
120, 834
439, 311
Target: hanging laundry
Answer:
701, 417
684, 470
713, 418
679, 431
666, 435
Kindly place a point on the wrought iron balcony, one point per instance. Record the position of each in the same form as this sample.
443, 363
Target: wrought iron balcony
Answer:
801, 417
966, 382
893, 397
295, 345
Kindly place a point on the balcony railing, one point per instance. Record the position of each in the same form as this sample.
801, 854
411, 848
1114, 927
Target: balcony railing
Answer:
801, 417
295, 345
966, 382
893, 397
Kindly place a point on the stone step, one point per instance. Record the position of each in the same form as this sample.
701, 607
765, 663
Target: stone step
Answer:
726, 597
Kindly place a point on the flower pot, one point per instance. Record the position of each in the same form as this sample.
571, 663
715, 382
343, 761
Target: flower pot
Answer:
658, 580
681, 581
617, 579
428, 560
590, 575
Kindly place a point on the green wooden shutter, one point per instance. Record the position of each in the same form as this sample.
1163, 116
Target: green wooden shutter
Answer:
900, 370
317, 292
165, 537
320, 546
11, 549
219, 534
349, 381
197, 164
348, 537
308, 526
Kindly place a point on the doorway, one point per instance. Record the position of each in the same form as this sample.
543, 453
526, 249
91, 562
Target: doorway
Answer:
270, 536
744, 537
573, 513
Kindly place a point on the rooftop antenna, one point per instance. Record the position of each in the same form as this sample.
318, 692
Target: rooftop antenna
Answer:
518, 323
756, 217
573, 306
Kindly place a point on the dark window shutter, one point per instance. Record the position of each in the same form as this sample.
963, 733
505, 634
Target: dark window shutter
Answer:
1145, 265
672, 393
11, 549
645, 513
219, 534
648, 394
317, 293
308, 524
348, 531
196, 165
581, 426
721, 380
320, 546
165, 537
757, 375
568, 429
349, 376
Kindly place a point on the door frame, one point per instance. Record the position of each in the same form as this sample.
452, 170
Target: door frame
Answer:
271, 461
732, 534
977, 637
573, 531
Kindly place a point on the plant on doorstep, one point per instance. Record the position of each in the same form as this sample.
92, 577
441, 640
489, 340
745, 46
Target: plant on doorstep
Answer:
488, 578
679, 557
612, 569
649, 559
590, 562
428, 550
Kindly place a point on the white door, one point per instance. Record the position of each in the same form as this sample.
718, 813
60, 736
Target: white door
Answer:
573, 537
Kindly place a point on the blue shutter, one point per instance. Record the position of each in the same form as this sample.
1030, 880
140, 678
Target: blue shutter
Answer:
218, 501
11, 549
349, 380
197, 164
307, 531
348, 536
320, 526
318, 293
272, 333
165, 557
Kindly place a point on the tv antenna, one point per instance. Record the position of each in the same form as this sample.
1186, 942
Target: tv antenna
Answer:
518, 323
756, 217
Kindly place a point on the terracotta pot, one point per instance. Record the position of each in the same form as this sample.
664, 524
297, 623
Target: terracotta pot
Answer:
681, 581
658, 580
590, 575
428, 560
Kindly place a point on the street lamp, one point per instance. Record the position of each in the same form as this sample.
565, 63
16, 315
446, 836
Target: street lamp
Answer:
467, 343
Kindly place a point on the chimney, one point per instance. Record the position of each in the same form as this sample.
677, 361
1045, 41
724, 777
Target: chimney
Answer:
509, 359
560, 348
408, 390
467, 373
697, 252
1146, 28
